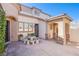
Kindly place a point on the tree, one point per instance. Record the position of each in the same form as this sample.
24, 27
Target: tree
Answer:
2, 30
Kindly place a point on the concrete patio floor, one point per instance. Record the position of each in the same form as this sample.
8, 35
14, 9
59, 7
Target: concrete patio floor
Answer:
44, 48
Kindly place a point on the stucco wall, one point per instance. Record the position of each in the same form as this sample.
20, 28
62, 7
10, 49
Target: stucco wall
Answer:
35, 12
74, 35
13, 30
74, 31
27, 19
61, 29
44, 16
49, 31
42, 24
42, 29
26, 9
10, 9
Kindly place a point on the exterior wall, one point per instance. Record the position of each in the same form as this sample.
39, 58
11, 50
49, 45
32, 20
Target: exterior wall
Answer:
66, 31
26, 19
74, 32
60, 28
10, 10
63, 32
13, 30
35, 12
42, 29
44, 16
42, 25
49, 32
74, 35
26, 9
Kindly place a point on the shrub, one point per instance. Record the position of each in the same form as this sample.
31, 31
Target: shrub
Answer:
20, 36
2, 30
31, 34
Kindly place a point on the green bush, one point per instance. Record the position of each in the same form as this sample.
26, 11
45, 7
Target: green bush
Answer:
31, 34
2, 31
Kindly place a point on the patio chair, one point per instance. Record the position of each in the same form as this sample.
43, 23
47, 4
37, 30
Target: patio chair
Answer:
20, 37
32, 40
25, 40
36, 40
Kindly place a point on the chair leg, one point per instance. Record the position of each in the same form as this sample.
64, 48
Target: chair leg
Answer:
33, 42
37, 41
28, 43
24, 42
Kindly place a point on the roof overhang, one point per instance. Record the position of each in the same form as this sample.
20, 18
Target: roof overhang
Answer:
29, 15
60, 17
11, 17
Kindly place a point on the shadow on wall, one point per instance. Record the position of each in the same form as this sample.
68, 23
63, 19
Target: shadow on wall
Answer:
55, 38
59, 39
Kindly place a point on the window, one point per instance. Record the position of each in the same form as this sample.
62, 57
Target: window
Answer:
25, 26
30, 27
37, 12
20, 26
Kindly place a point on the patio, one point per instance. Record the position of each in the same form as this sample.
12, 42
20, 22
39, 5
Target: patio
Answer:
44, 48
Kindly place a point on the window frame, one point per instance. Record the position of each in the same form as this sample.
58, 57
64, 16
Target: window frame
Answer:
19, 27
31, 28
23, 24
27, 25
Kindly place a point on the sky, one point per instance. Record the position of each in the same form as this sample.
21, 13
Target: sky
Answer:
54, 9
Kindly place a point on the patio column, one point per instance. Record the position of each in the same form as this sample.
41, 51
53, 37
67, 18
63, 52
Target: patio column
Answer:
13, 28
66, 30
64, 42
61, 32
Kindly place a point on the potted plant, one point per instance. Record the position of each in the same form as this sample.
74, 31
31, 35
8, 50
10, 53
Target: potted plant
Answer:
32, 34
20, 37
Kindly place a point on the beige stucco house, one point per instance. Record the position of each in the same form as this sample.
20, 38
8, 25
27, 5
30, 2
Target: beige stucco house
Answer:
25, 20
